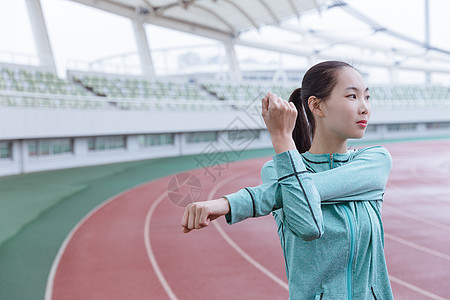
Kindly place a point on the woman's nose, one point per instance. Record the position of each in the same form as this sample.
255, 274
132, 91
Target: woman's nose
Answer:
364, 107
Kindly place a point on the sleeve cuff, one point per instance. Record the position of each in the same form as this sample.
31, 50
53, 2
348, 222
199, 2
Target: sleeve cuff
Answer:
241, 206
288, 163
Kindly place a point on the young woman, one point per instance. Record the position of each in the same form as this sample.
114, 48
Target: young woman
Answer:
326, 199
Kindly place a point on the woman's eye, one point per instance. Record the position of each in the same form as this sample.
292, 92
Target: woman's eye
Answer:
367, 98
353, 96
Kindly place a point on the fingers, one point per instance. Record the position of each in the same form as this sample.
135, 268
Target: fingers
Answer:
271, 101
196, 216
292, 105
191, 219
278, 104
265, 104
184, 219
203, 219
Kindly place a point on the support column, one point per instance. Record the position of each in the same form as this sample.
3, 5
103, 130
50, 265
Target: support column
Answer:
393, 74
40, 34
143, 48
427, 36
23, 150
232, 60
393, 69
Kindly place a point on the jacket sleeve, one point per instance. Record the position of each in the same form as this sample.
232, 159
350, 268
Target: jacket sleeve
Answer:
300, 198
254, 201
293, 186
287, 184
363, 178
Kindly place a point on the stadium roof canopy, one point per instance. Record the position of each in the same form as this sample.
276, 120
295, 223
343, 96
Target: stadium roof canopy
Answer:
312, 29
226, 20
212, 18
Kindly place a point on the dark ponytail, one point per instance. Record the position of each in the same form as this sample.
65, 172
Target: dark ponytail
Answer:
318, 81
302, 134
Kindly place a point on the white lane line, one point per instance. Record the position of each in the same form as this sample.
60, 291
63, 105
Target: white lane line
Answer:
416, 217
415, 288
150, 254
396, 190
51, 276
417, 246
227, 238
285, 285
244, 254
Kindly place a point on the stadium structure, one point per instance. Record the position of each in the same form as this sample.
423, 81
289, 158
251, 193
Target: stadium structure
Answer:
92, 117
98, 159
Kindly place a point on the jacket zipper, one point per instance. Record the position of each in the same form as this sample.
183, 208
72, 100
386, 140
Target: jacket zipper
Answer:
352, 247
352, 244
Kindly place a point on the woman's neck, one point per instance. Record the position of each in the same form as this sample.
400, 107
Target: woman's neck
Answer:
321, 144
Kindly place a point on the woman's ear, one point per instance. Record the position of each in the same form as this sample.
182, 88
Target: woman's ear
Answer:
314, 106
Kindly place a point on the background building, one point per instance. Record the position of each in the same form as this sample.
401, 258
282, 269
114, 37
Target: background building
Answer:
156, 102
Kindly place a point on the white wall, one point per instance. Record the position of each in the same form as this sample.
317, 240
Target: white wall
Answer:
22, 124
25, 123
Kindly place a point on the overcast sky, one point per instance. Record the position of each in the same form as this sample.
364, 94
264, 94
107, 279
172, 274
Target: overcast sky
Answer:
80, 33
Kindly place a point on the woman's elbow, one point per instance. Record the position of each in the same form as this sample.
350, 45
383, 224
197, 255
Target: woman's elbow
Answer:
307, 233
311, 235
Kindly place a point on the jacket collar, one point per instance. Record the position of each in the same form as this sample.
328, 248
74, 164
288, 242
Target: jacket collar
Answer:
325, 157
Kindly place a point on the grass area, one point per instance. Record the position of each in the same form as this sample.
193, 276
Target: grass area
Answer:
38, 210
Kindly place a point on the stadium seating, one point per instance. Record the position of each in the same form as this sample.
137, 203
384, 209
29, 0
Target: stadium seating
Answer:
35, 81
85, 90
382, 96
409, 96
126, 87
247, 92
33, 87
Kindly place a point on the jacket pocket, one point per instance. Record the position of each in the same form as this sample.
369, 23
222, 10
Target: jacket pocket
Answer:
375, 293
330, 296
319, 297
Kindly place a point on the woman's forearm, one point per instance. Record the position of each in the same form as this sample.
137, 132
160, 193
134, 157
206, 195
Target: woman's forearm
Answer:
283, 143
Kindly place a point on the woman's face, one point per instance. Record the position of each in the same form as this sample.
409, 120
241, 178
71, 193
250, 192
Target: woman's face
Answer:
347, 110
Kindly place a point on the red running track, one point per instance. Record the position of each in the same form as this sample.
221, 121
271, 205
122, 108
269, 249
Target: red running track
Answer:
132, 247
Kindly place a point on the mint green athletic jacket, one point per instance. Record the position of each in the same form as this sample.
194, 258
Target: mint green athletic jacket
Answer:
328, 211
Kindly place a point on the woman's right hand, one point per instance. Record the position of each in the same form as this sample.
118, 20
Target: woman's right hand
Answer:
197, 215
280, 117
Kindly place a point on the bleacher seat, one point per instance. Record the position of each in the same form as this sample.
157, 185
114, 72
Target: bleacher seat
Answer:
85, 90
33, 81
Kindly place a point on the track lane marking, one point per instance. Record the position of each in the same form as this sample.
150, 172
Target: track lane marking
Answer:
285, 285
395, 188
417, 246
416, 217
54, 268
252, 261
149, 250
415, 288
50, 281
233, 244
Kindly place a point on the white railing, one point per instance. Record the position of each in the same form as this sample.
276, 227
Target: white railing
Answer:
38, 100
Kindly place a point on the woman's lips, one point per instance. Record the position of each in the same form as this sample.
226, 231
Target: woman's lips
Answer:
362, 123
